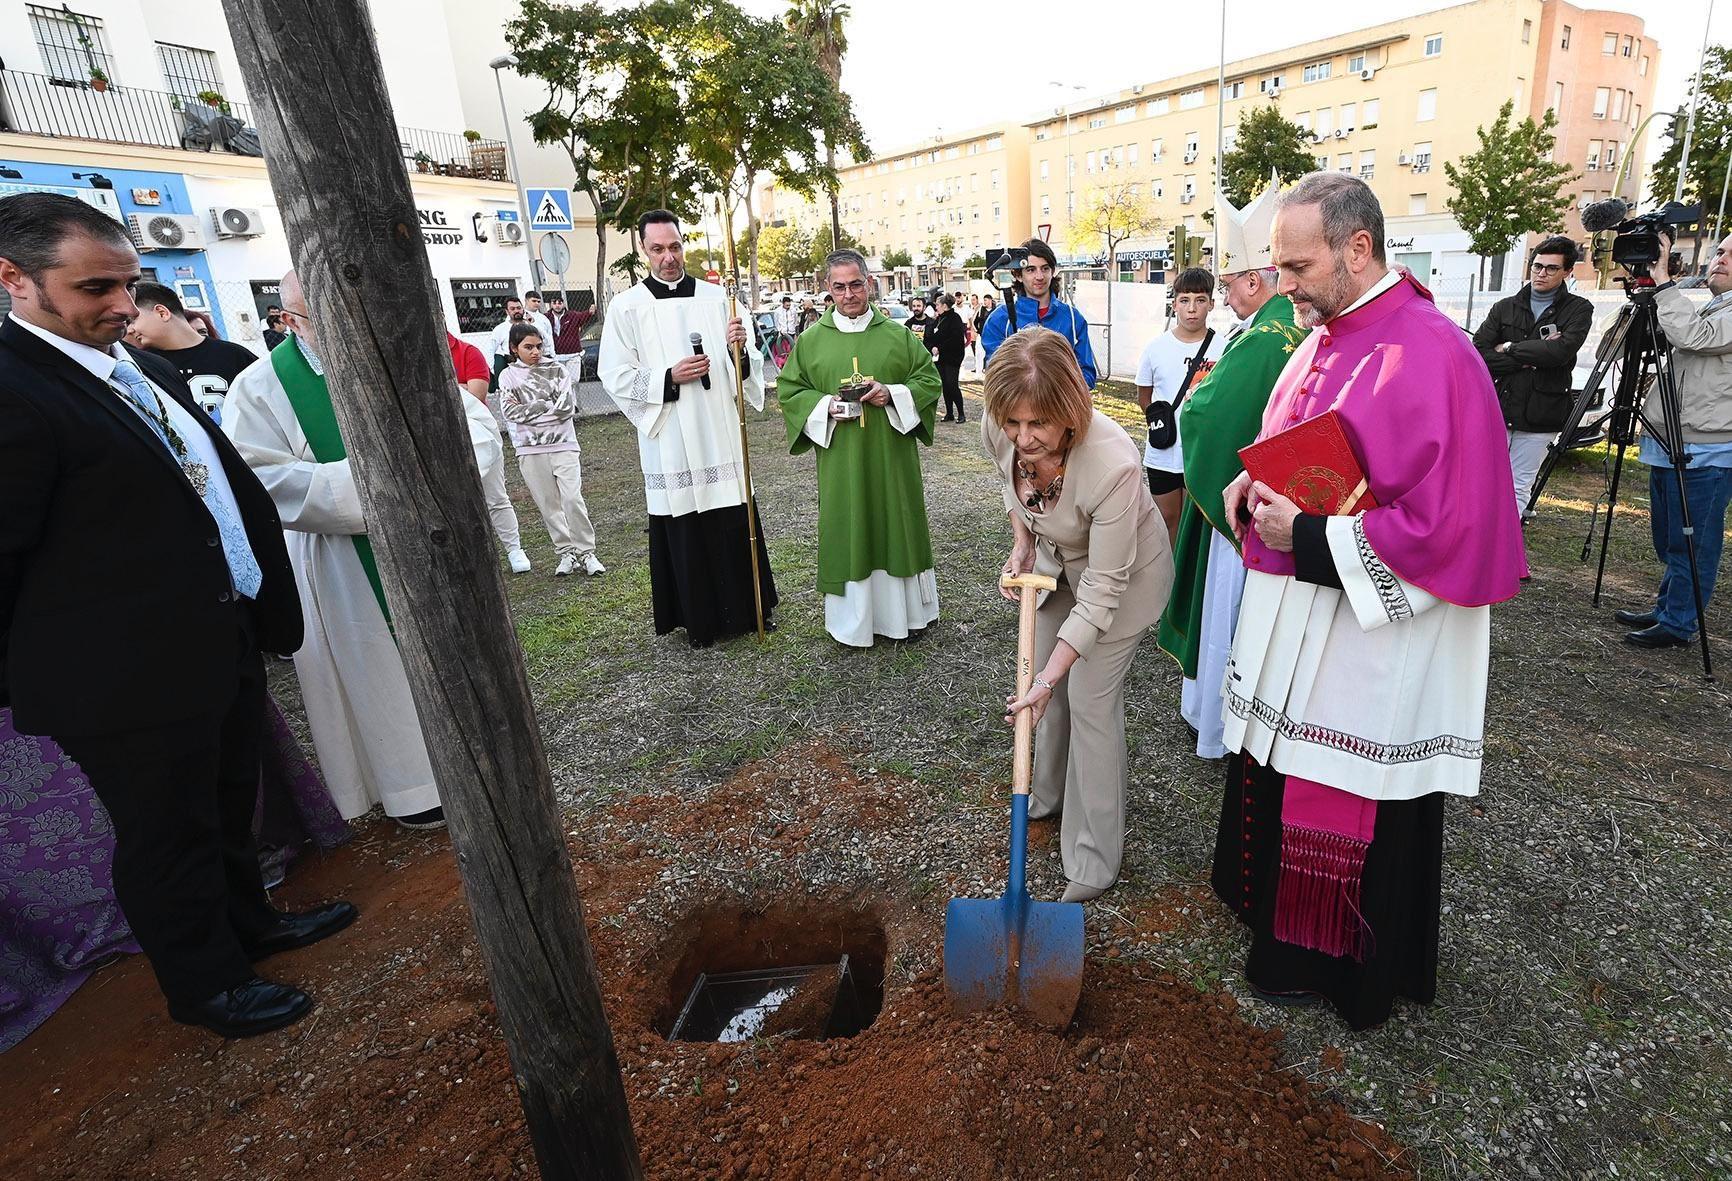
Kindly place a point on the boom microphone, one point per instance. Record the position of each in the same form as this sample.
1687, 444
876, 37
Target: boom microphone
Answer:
1604, 215
697, 339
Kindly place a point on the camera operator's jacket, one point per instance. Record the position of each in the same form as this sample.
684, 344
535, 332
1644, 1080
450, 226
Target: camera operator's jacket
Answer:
1701, 339
1533, 377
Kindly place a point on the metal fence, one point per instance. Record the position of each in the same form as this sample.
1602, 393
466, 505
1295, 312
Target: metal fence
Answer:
36, 104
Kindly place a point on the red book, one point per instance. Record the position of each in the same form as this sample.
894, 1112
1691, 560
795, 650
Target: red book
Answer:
1312, 465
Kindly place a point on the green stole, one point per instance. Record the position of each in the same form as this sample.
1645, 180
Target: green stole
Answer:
310, 398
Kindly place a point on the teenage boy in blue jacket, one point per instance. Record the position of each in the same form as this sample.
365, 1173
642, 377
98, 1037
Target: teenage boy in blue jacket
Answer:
1037, 276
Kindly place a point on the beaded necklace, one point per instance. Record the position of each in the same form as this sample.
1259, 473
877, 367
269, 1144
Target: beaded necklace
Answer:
1038, 499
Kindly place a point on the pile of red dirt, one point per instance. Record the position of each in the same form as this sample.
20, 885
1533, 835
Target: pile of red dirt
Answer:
402, 1073
1152, 1080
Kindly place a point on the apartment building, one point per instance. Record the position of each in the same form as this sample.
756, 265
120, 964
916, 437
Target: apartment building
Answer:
973, 188
1389, 103
164, 141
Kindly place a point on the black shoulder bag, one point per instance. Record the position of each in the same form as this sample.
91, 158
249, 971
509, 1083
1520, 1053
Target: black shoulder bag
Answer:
1163, 416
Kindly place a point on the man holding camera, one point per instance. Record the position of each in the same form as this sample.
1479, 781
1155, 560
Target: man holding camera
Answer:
1701, 340
1529, 342
1037, 304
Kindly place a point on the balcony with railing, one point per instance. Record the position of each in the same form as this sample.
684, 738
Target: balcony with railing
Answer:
37, 104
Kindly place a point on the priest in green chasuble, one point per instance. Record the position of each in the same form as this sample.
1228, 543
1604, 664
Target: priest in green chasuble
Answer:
874, 551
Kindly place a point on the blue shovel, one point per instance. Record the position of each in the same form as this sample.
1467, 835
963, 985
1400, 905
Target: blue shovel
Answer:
1013, 951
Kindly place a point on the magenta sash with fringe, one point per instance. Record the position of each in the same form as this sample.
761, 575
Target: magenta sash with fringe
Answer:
1324, 835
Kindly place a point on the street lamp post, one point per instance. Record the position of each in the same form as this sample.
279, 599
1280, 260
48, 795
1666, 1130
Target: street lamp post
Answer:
1069, 164
506, 61
1695, 95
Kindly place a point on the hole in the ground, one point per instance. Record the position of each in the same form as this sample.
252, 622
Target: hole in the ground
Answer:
797, 971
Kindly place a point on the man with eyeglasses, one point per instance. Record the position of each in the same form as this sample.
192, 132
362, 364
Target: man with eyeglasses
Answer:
1530, 341
861, 393
1222, 414
360, 709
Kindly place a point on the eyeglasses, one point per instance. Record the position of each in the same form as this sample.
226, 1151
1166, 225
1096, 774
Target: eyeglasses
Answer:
1547, 268
856, 285
1225, 286
295, 314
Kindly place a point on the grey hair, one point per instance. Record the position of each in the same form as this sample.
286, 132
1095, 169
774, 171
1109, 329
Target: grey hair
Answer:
845, 257
1346, 204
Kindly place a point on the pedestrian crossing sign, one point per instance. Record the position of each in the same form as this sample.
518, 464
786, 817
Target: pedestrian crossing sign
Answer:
550, 209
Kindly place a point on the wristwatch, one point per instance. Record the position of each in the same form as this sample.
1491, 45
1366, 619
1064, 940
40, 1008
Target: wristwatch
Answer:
1043, 682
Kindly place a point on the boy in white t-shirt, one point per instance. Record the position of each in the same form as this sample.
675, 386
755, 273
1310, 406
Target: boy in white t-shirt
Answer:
1171, 365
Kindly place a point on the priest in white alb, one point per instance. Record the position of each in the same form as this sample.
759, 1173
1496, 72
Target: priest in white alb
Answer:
680, 397
359, 706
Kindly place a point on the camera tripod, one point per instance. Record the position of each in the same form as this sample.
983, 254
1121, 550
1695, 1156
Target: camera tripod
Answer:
1644, 357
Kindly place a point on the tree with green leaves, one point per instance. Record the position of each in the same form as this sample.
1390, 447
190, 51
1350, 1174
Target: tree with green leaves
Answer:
1267, 143
822, 23
1109, 215
785, 251
898, 258
612, 105
940, 253
628, 266
823, 245
974, 262
1509, 186
1705, 179
738, 70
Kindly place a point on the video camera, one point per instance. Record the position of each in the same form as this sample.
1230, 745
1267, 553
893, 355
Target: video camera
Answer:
1638, 244
1002, 263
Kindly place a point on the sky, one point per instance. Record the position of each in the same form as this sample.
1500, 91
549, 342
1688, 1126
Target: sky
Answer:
918, 67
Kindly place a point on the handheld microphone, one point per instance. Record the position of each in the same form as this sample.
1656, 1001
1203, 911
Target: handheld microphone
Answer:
697, 339
1603, 215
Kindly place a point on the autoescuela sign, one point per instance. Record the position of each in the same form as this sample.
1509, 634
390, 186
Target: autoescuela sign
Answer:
437, 229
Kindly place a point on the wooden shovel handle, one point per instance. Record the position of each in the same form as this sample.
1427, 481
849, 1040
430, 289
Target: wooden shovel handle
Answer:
1022, 767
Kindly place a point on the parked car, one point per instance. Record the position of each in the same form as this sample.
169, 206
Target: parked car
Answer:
590, 342
895, 311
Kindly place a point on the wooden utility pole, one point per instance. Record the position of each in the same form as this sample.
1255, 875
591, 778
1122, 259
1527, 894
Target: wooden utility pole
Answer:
318, 94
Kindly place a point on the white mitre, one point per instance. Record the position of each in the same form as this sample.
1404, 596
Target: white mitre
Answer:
1245, 233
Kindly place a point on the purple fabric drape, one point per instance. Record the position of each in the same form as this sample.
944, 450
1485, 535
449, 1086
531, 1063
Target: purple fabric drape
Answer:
59, 920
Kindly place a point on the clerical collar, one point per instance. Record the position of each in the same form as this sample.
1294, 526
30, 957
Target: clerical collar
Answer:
313, 362
1390, 278
684, 289
852, 323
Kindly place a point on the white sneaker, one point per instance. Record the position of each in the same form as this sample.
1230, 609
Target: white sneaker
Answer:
519, 561
592, 564
567, 564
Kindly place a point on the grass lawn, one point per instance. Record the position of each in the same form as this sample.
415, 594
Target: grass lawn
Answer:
1584, 1012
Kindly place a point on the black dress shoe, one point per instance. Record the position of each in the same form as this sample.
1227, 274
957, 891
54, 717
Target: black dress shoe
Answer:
298, 930
1287, 1000
1658, 636
255, 1007
1635, 618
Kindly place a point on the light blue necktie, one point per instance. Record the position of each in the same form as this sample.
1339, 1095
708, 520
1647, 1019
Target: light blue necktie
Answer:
243, 567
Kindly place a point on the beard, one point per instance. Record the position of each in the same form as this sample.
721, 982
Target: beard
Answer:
1324, 305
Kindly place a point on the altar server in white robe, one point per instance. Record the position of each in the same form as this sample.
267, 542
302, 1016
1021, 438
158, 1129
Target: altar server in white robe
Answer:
358, 702
681, 400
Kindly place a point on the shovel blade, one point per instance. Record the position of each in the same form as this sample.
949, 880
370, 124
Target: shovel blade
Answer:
1029, 956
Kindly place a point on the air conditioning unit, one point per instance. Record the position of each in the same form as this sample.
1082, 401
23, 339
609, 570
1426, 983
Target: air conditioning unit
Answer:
1404, 159
1341, 133
1187, 198
508, 233
1137, 89
166, 231
1316, 137
235, 222
1273, 92
1190, 157
1422, 167
1368, 73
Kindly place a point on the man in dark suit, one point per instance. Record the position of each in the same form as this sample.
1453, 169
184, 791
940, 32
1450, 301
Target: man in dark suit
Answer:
142, 569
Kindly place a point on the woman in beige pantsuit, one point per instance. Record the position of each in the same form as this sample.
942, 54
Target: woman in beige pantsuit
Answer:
1080, 512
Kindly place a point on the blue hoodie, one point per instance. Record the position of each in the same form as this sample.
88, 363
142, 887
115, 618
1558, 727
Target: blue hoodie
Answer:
1060, 318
